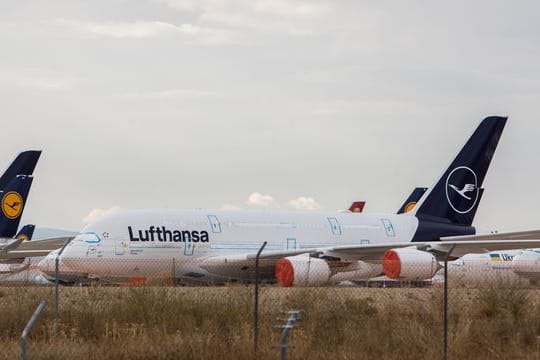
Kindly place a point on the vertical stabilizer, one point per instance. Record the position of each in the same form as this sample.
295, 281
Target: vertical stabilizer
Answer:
23, 164
12, 202
412, 200
449, 206
26, 232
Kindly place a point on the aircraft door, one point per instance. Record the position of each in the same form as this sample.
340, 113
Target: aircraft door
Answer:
214, 223
189, 248
120, 247
291, 243
388, 228
334, 226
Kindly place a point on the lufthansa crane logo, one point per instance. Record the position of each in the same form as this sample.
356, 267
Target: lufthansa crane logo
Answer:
12, 204
409, 207
462, 189
23, 237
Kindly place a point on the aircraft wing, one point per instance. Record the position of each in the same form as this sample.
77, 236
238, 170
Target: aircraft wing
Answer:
34, 248
460, 245
240, 265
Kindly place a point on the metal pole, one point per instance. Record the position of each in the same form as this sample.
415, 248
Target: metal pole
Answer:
173, 271
445, 304
294, 316
256, 305
29, 326
56, 283
56, 299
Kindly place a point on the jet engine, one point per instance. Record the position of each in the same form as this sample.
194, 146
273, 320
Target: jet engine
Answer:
302, 270
526, 263
409, 264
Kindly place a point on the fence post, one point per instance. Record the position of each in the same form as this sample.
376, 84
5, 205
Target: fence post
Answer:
29, 327
445, 304
173, 274
294, 316
56, 281
256, 305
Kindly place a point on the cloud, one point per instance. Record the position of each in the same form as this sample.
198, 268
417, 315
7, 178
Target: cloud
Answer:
291, 17
304, 203
258, 199
151, 29
98, 213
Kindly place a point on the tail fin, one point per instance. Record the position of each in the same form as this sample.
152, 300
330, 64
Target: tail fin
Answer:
12, 201
357, 206
454, 198
412, 200
23, 164
26, 232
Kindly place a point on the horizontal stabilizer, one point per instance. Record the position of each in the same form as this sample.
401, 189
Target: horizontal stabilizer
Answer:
34, 248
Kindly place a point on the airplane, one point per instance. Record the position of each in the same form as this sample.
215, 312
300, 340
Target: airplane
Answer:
10, 266
506, 267
24, 269
488, 269
214, 246
15, 184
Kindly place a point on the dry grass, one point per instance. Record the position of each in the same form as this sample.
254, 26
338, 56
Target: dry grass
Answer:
216, 323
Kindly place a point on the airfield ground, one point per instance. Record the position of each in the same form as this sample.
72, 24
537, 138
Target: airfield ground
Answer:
217, 323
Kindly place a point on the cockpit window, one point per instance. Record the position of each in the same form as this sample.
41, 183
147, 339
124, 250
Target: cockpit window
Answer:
90, 238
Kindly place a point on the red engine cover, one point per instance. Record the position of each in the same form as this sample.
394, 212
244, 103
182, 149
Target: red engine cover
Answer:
284, 272
391, 264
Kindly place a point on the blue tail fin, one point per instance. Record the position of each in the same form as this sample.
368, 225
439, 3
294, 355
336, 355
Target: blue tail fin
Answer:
448, 207
23, 164
412, 200
26, 232
12, 201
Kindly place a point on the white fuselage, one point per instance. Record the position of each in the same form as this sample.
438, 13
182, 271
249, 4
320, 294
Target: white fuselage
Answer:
496, 268
165, 243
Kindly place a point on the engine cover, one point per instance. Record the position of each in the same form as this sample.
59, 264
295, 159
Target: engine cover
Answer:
526, 263
302, 270
356, 271
409, 264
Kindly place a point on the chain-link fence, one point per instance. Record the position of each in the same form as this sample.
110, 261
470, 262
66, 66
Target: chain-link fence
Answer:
144, 310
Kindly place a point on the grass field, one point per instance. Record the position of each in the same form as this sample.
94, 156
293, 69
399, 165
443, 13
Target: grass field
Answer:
217, 323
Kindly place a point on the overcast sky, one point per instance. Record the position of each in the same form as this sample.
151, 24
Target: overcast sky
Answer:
266, 104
